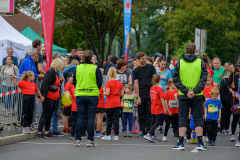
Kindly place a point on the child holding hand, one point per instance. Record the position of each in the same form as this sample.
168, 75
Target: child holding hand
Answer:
28, 88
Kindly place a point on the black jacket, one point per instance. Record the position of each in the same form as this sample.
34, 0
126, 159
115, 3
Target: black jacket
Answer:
230, 80
49, 79
201, 84
225, 95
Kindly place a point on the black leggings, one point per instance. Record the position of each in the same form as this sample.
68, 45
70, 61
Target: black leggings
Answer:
225, 118
27, 109
49, 106
156, 119
236, 119
74, 123
174, 121
113, 119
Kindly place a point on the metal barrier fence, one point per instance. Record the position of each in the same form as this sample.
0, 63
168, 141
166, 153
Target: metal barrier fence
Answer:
10, 102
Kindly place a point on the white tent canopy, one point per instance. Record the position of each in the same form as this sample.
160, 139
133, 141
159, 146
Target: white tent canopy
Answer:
11, 38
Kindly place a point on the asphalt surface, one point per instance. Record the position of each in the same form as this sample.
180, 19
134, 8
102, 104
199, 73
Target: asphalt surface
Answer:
133, 148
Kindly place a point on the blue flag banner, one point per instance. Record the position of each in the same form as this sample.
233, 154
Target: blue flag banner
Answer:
127, 24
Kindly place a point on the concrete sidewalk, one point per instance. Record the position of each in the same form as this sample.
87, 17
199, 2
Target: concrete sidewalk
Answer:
15, 135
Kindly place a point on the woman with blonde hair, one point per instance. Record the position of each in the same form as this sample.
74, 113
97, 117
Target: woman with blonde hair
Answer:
50, 91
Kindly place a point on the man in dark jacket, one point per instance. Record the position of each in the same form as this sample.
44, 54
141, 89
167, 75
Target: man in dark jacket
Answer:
190, 77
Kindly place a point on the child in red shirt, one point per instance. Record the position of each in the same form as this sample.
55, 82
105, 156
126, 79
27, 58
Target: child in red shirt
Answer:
158, 107
114, 90
99, 114
67, 109
172, 103
74, 112
28, 88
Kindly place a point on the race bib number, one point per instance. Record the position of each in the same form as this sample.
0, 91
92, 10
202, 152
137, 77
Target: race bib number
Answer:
173, 103
128, 103
213, 108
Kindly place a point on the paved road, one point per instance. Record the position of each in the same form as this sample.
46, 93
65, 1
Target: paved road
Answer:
134, 148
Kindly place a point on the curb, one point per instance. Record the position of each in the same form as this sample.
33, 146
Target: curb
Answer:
20, 137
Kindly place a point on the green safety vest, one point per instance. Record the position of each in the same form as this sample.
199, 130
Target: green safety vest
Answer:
190, 73
86, 83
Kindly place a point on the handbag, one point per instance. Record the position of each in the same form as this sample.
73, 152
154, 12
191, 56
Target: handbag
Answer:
53, 88
233, 84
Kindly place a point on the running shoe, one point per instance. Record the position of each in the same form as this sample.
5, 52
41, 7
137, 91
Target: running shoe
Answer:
130, 134
228, 132
141, 134
66, 131
49, 135
224, 132
40, 135
115, 138
232, 138
124, 134
133, 131
201, 147
237, 144
77, 143
188, 141
137, 131
106, 137
178, 147
72, 137
104, 133
97, 134
149, 138
91, 143
57, 134
164, 139
213, 143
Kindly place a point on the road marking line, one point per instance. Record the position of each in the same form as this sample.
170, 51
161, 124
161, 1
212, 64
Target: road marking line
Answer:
195, 150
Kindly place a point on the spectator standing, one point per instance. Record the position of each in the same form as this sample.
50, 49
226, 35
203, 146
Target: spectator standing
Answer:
123, 75
14, 59
112, 63
218, 70
37, 44
106, 64
142, 76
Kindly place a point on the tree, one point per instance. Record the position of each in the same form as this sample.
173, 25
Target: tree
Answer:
219, 18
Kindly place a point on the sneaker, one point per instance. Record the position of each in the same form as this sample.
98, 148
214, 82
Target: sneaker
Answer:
137, 131
106, 137
124, 134
66, 131
188, 141
72, 137
179, 147
149, 138
115, 138
91, 143
232, 138
201, 147
156, 139
161, 130
133, 131
164, 139
206, 139
97, 134
213, 143
40, 135
77, 143
141, 134
193, 141
209, 143
104, 133
237, 144
57, 134
228, 132
224, 132
130, 134
24, 131
49, 135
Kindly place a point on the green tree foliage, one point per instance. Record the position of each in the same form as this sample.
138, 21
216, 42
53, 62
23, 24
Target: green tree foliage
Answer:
219, 17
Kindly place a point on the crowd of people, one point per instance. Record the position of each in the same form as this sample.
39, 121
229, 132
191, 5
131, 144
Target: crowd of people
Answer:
195, 96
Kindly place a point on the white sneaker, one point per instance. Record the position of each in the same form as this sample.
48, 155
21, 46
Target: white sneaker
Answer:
164, 139
232, 138
228, 132
115, 138
24, 131
188, 141
224, 132
237, 144
106, 137
77, 143
206, 139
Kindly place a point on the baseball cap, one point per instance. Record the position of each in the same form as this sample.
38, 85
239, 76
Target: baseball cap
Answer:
238, 63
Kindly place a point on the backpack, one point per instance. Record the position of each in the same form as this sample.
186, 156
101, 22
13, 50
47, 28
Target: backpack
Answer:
236, 109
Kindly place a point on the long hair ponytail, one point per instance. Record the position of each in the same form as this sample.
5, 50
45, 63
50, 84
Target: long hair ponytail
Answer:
27, 74
156, 79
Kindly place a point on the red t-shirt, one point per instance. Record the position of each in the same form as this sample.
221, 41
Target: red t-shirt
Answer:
101, 102
28, 88
67, 88
54, 95
113, 100
171, 102
156, 105
72, 92
207, 92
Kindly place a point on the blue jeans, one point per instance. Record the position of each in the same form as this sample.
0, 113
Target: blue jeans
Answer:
86, 107
9, 100
127, 117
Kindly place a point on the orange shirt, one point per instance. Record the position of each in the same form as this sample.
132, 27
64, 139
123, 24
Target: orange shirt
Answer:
101, 102
67, 88
54, 95
156, 105
171, 102
72, 92
113, 100
28, 88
